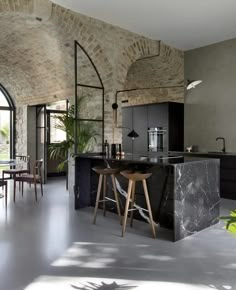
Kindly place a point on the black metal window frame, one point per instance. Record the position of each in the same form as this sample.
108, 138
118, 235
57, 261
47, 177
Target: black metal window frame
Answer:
78, 84
49, 112
12, 109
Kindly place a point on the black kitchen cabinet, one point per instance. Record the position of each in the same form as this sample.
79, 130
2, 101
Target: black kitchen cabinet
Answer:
127, 123
168, 115
157, 114
140, 126
176, 126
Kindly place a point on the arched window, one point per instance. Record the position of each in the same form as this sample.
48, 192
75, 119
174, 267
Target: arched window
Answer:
7, 112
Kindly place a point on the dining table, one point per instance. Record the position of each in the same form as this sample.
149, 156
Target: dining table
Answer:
10, 162
4, 163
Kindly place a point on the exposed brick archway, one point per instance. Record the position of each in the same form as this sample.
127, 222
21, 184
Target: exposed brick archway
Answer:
76, 27
140, 48
39, 57
161, 74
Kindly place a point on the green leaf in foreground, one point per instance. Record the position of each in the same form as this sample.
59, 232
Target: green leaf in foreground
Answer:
230, 222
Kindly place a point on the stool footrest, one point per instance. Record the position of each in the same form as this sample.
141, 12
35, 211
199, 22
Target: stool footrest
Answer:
132, 209
107, 199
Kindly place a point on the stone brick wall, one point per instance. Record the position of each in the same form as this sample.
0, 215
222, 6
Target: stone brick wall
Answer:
36, 57
21, 130
164, 73
25, 6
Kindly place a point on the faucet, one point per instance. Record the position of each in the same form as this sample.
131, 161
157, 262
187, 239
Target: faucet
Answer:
223, 139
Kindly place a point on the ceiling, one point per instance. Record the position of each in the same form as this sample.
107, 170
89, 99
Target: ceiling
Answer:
184, 24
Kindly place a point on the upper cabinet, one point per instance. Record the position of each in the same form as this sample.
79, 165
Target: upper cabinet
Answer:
127, 123
157, 115
169, 116
140, 126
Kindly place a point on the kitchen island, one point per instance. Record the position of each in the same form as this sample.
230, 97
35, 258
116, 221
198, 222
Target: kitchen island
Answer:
227, 170
184, 191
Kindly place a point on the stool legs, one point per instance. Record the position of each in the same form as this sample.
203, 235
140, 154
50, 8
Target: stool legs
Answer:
149, 207
104, 194
98, 197
132, 204
127, 206
131, 198
116, 197
103, 179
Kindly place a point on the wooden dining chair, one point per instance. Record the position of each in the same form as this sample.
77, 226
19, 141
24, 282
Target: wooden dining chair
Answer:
22, 166
3, 183
34, 178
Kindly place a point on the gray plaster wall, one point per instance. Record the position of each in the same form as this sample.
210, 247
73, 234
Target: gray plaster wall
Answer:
210, 108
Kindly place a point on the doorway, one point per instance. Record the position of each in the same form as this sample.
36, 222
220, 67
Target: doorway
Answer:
55, 135
47, 134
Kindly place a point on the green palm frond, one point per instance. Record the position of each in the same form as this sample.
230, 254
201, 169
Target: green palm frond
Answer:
5, 131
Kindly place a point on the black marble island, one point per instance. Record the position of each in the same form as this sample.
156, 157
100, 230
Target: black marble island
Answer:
183, 190
227, 170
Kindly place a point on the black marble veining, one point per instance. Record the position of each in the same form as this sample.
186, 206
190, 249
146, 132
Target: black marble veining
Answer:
196, 197
184, 191
227, 169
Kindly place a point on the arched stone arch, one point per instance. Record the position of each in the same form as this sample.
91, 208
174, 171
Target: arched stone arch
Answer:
139, 49
162, 70
70, 24
159, 69
57, 35
14, 81
50, 76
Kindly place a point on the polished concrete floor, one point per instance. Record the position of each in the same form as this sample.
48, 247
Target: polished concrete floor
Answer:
47, 245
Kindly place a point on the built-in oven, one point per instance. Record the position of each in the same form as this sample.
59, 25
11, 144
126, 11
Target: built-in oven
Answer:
157, 139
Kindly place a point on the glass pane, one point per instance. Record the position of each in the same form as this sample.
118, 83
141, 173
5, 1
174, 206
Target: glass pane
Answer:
90, 103
56, 134
3, 101
89, 136
60, 106
4, 134
86, 73
4, 138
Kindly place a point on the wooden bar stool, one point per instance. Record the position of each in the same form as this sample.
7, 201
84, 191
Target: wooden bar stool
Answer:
103, 173
133, 177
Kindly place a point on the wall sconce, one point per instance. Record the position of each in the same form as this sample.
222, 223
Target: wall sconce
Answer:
191, 84
132, 134
114, 120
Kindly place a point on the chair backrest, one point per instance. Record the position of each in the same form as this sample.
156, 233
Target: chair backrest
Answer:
2, 182
37, 169
24, 159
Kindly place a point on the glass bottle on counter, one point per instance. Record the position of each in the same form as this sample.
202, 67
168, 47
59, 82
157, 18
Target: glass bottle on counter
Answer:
106, 148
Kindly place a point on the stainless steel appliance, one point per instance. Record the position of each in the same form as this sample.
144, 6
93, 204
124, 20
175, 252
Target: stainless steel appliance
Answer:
157, 139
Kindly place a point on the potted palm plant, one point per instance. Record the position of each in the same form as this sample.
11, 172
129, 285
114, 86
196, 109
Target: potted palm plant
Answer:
85, 138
